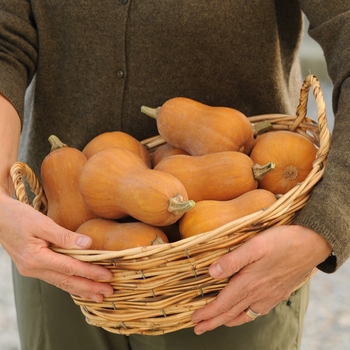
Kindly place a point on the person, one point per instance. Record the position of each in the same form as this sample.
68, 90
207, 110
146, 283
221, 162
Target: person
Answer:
77, 69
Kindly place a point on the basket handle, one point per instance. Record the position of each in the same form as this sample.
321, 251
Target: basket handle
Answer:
312, 81
18, 171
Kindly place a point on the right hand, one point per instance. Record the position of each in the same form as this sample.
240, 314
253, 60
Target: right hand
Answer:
26, 235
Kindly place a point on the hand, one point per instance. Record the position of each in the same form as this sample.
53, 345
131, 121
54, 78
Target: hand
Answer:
26, 235
265, 270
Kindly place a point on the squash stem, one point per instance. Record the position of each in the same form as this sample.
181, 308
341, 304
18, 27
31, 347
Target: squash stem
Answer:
151, 112
56, 143
260, 171
261, 127
177, 205
157, 240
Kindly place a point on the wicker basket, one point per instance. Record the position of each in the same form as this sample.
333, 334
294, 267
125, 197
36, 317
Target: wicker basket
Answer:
157, 288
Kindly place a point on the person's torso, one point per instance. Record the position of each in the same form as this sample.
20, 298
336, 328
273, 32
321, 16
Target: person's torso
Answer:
100, 61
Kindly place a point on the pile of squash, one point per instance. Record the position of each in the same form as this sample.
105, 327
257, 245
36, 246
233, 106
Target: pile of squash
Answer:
213, 168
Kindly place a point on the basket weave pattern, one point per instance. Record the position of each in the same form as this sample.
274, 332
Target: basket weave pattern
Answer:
157, 288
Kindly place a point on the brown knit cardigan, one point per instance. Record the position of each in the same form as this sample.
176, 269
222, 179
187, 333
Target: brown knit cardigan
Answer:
92, 64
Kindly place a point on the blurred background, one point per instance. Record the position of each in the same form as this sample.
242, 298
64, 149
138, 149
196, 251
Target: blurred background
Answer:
328, 319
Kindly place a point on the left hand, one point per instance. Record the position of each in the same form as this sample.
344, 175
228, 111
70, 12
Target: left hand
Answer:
265, 270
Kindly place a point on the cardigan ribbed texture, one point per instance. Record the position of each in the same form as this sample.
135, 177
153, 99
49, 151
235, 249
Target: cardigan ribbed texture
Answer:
91, 65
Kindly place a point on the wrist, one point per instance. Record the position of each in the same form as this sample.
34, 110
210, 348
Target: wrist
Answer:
323, 249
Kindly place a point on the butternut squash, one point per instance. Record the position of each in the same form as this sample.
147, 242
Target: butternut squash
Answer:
165, 150
217, 176
117, 139
111, 235
208, 215
116, 183
201, 129
260, 136
60, 172
171, 231
292, 154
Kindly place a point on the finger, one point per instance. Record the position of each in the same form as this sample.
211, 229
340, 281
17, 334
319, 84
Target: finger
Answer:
76, 277
67, 239
222, 305
235, 298
57, 235
45, 261
40, 258
244, 317
237, 289
69, 266
232, 262
78, 286
231, 316
234, 316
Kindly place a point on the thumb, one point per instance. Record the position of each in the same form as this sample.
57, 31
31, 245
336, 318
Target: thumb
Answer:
230, 263
224, 267
41, 226
66, 239
83, 241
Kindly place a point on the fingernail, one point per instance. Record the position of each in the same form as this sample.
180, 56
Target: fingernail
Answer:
199, 331
97, 298
215, 270
83, 241
106, 293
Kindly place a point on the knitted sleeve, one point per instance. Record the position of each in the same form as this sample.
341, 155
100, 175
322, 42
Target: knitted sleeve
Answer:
18, 50
328, 210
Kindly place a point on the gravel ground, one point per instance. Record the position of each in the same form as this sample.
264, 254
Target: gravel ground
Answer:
328, 318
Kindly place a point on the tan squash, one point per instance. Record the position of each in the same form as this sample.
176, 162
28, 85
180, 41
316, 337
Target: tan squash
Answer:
116, 183
216, 176
111, 235
60, 172
201, 129
292, 154
171, 231
117, 139
208, 215
165, 150
259, 137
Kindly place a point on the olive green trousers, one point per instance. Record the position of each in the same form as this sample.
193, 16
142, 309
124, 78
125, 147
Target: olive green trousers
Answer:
48, 319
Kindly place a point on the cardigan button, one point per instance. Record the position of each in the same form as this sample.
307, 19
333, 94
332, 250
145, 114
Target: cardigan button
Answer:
120, 73
124, 2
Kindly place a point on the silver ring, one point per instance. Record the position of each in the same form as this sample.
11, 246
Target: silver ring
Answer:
251, 314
